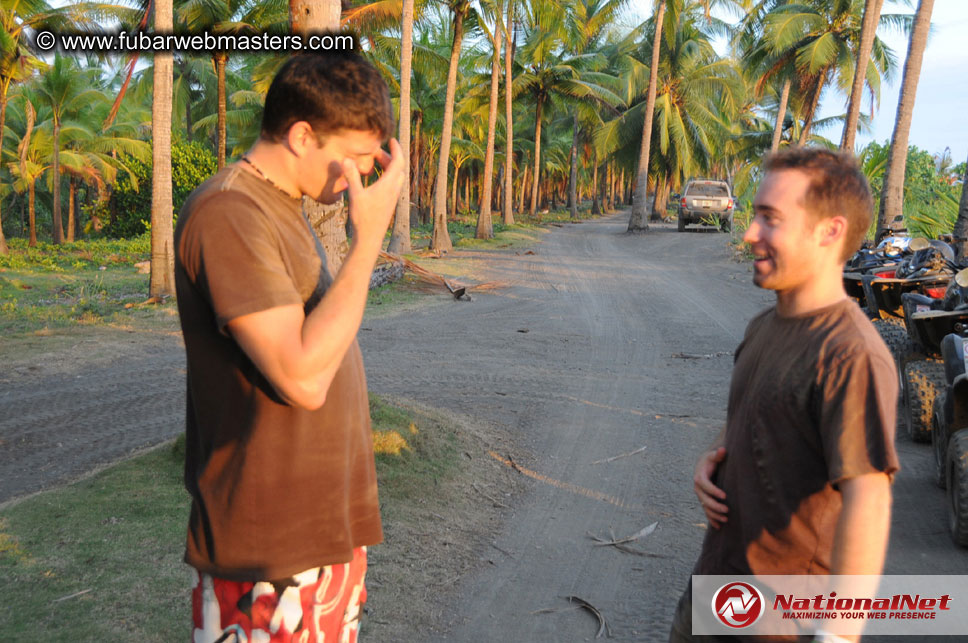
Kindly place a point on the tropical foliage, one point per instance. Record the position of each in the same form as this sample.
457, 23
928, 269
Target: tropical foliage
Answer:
529, 105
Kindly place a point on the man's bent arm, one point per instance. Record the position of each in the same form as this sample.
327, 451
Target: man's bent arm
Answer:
860, 543
300, 354
711, 497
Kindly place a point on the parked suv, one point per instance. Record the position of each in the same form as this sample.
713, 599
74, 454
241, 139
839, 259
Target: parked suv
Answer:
706, 201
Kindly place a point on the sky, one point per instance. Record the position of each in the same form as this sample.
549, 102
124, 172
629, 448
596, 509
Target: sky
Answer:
941, 110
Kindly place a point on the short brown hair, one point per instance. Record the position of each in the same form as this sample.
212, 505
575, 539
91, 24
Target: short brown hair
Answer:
332, 91
837, 187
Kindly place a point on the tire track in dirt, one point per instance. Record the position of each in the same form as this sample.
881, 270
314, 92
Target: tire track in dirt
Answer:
73, 415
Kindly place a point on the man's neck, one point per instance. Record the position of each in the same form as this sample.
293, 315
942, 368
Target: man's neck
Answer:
824, 290
276, 164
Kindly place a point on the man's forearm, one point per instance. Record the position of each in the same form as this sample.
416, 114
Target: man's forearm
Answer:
331, 327
860, 542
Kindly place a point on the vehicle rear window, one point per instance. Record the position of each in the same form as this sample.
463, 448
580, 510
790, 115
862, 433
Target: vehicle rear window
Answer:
707, 189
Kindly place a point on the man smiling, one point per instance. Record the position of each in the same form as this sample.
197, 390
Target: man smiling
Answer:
799, 480
279, 457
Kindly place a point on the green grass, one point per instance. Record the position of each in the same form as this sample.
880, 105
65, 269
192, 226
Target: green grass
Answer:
88, 282
431, 452
119, 536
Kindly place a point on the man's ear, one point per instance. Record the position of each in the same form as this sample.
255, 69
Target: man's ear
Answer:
833, 231
300, 138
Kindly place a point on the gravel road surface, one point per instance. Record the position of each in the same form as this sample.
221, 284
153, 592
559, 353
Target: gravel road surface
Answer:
607, 359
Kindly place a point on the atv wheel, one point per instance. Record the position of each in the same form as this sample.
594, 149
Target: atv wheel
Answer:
957, 474
681, 224
893, 333
939, 440
924, 379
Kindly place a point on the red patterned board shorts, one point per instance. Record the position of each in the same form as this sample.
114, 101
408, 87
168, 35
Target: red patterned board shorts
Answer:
319, 604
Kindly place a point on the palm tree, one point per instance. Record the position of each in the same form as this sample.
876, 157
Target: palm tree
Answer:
699, 100
62, 89
819, 39
508, 208
162, 280
440, 239
16, 61
552, 78
892, 197
400, 237
637, 218
29, 163
872, 12
589, 20
229, 17
484, 228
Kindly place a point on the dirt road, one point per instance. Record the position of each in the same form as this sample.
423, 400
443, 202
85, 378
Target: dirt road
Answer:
604, 344
86, 398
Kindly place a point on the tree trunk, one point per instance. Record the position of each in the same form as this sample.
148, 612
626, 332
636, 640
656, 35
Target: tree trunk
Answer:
162, 279
508, 122
596, 208
637, 221
524, 183
32, 212
484, 228
537, 155
872, 14
328, 221
892, 197
453, 194
3, 120
220, 61
573, 169
71, 190
781, 115
812, 109
609, 189
961, 224
440, 240
662, 189
58, 221
189, 123
400, 237
415, 161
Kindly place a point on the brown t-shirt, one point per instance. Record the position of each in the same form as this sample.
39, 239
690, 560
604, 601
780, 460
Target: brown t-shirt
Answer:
811, 403
275, 489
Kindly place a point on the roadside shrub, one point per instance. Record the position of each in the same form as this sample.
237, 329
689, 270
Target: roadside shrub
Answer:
191, 164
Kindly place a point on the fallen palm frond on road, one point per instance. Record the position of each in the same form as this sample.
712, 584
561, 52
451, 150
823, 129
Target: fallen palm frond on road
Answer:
625, 544
603, 626
429, 277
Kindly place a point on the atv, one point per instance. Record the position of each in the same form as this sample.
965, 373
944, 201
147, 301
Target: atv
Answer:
881, 260
949, 435
925, 270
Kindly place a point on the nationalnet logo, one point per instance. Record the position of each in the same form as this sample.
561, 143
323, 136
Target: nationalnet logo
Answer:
794, 605
738, 604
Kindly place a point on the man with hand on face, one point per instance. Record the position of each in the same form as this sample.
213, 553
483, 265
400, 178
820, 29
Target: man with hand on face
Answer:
799, 481
279, 457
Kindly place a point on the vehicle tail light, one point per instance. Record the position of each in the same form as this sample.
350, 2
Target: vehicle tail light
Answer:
887, 274
935, 293
729, 204
683, 202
